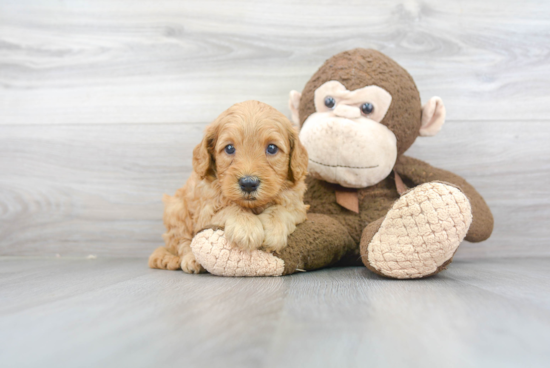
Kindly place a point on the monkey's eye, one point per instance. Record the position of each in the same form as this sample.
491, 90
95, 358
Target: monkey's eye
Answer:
272, 149
367, 108
229, 149
329, 102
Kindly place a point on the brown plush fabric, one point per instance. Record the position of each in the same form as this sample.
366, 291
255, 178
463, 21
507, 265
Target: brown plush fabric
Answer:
365, 67
367, 236
332, 234
335, 239
418, 172
374, 203
314, 245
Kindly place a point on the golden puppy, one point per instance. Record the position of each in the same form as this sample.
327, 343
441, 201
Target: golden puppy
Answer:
248, 177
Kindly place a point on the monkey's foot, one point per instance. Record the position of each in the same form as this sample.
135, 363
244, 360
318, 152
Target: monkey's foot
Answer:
221, 258
420, 234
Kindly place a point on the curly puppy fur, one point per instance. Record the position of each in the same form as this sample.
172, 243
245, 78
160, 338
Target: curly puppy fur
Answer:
213, 196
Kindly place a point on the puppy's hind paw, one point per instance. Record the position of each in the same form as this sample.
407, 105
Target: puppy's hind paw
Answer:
190, 265
164, 260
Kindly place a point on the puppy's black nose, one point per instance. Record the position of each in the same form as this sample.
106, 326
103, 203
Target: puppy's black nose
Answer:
249, 183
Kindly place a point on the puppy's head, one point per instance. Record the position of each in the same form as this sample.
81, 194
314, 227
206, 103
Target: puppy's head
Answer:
254, 153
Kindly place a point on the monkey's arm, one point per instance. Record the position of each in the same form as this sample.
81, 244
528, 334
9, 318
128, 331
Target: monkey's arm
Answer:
319, 242
419, 172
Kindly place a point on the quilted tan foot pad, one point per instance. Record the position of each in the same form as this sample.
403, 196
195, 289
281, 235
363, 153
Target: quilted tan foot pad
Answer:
421, 232
221, 258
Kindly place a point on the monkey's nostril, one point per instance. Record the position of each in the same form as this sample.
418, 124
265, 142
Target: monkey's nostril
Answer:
249, 184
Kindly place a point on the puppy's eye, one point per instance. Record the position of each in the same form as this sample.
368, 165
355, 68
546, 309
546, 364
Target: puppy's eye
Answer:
272, 149
229, 149
367, 108
329, 102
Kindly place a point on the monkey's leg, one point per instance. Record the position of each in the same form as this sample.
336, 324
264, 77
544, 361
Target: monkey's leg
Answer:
319, 242
419, 172
420, 233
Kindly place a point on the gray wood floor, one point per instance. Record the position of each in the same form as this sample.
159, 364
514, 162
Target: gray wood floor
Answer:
119, 313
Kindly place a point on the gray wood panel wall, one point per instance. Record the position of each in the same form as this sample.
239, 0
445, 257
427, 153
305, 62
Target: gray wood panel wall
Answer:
102, 102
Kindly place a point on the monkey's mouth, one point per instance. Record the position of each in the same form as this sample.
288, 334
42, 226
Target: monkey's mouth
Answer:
346, 167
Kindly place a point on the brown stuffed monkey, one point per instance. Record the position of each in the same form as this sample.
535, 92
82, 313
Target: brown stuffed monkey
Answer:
400, 216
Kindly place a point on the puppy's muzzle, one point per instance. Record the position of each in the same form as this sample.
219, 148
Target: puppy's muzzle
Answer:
249, 184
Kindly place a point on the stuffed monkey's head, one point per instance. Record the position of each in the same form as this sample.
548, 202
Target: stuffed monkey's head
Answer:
357, 114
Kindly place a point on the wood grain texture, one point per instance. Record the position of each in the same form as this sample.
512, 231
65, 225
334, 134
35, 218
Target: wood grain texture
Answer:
119, 313
101, 103
171, 61
89, 189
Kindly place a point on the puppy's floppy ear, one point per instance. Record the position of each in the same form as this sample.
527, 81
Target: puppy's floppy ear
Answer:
204, 163
298, 157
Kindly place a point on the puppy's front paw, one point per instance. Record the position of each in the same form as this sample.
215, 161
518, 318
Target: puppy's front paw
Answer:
190, 265
245, 231
276, 233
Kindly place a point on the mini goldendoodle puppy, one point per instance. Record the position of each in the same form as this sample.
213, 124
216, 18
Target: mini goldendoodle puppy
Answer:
248, 177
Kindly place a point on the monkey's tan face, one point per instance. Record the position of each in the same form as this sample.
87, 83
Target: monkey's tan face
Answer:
346, 142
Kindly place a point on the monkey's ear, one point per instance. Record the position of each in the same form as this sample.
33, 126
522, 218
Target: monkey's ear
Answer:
294, 105
298, 158
203, 158
433, 117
